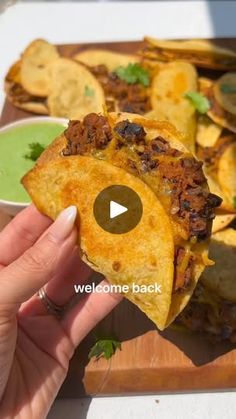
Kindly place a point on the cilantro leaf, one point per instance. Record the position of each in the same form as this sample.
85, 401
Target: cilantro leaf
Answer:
227, 88
133, 73
234, 202
200, 102
104, 347
88, 91
35, 151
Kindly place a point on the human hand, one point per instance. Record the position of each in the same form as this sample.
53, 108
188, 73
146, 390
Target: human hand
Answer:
36, 346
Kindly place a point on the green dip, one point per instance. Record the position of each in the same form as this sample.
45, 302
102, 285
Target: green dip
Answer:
14, 146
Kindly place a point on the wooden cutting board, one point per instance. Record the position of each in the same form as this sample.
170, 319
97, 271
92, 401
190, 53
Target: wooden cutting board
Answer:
149, 361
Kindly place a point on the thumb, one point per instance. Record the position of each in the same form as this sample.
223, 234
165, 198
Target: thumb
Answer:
25, 276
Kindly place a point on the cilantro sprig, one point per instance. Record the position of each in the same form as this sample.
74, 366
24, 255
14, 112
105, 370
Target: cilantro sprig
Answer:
133, 73
104, 347
199, 101
35, 151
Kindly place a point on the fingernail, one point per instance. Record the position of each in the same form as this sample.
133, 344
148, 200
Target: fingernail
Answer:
64, 224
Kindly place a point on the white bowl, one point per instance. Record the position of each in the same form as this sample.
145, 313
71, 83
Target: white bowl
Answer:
11, 207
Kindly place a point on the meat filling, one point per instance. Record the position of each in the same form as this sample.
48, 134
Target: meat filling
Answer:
132, 98
191, 202
18, 92
92, 133
183, 270
129, 132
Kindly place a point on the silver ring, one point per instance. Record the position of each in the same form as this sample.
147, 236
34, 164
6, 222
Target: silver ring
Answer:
51, 307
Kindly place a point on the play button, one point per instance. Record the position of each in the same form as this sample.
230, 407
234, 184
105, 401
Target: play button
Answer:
118, 209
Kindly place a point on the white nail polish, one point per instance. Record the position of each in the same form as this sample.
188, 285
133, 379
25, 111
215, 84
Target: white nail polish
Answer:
64, 224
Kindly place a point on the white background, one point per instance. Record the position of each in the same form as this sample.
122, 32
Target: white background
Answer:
75, 22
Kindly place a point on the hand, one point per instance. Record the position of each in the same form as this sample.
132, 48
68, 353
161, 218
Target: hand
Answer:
36, 347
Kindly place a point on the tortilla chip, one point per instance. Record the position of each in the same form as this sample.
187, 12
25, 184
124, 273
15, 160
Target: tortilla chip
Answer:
207, 131
169, 86
35, 63
112, 60
202, 53
77, 180
74, 91
221, 277
227, 174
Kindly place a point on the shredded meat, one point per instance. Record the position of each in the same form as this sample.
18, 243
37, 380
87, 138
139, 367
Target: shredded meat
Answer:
158, 146
161, 146
132, 98
18, 92
147, 162
190, 199
92, 133
182, 277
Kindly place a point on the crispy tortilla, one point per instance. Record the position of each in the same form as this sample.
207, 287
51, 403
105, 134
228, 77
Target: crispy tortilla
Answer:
169, 86
18, 96
74, 91
202, 53
112, 60
120, 158
35, 63
77, 180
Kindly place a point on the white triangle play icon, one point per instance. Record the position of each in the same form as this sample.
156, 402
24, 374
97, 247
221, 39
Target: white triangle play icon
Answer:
116, 209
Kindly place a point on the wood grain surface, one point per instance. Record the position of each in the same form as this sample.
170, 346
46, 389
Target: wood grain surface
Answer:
149, 361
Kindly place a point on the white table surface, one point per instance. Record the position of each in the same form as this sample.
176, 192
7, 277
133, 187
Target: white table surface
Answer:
75, 22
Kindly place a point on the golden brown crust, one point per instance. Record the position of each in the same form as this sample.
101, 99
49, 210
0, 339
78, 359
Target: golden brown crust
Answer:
202, 53
53, 156
77, 180
35, 62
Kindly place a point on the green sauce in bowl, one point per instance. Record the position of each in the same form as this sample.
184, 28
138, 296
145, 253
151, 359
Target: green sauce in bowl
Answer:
15, 154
